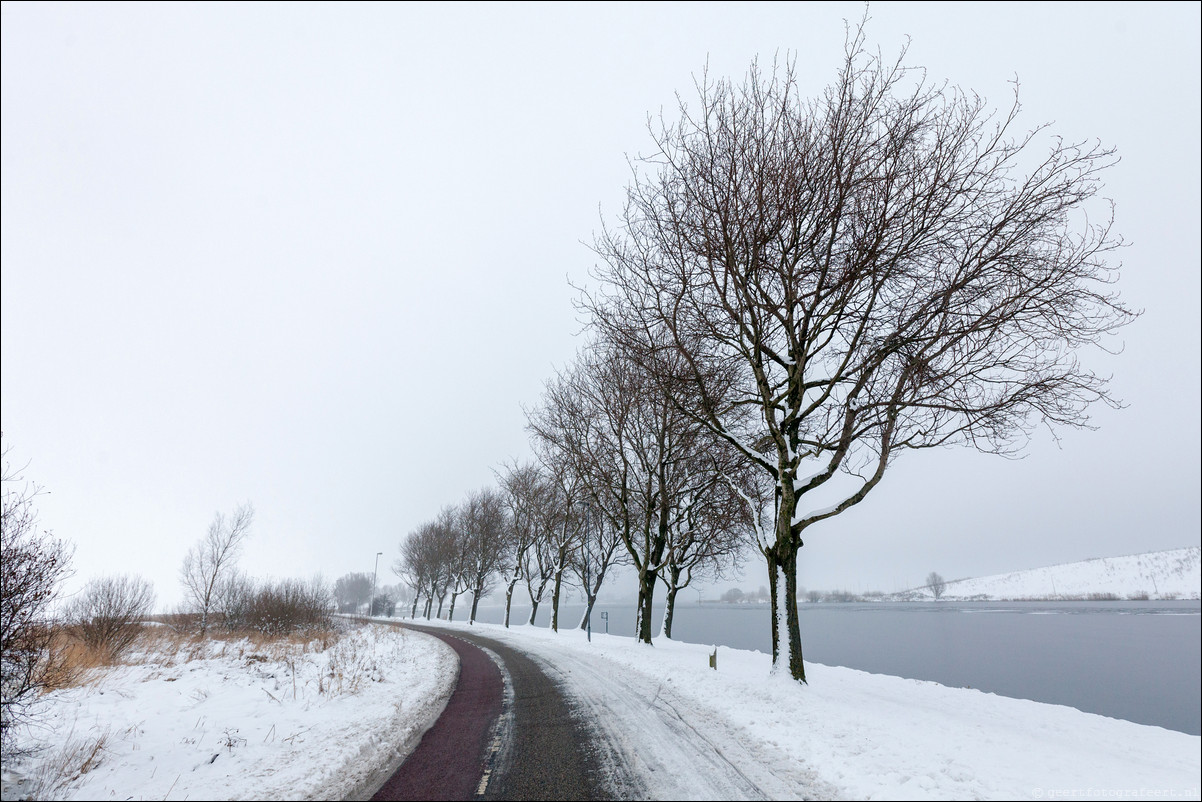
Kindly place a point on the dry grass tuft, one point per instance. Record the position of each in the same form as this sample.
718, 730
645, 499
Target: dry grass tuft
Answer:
76, 757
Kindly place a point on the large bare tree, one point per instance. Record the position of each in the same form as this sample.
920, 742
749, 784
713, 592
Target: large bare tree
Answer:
212, 557
888, 266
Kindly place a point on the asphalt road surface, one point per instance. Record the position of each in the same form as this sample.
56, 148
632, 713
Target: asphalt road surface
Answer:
506, 733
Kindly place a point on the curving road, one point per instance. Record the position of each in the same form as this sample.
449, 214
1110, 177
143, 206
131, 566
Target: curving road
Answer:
506, 733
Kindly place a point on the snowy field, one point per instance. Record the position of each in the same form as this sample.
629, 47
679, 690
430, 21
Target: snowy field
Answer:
232, 726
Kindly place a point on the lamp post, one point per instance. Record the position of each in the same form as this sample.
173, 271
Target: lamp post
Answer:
371, 603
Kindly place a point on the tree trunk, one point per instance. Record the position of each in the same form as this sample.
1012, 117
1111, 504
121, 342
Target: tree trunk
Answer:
533, 611
591, 599
669, 609
774, 597
784, 561
670, 600
797, 668
475, 601
647, 581
509, 600
416, 598
555, 601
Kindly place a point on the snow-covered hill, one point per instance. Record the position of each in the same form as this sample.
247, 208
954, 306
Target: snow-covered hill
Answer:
1175, 574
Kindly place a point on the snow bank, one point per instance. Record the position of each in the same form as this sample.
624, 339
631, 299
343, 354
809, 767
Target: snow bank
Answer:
241, 722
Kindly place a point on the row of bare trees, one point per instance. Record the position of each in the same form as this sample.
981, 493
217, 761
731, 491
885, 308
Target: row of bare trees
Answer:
532, 533
659, 488
798, 291
459, 551
620, 477
801, 290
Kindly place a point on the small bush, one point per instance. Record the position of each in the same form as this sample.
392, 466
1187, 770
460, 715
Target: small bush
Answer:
235, 599
287, 606
108, 614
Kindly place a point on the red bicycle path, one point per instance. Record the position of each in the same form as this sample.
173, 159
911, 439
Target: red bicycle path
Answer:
543, 750
448, 763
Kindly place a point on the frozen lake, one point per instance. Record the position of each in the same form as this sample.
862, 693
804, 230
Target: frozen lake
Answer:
1138, 661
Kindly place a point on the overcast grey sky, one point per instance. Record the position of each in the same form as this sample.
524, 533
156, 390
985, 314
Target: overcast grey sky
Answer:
317, 257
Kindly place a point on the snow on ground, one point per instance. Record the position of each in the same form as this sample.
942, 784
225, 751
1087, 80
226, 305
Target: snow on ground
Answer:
1174, 574
243, 722
694, 733
674, 728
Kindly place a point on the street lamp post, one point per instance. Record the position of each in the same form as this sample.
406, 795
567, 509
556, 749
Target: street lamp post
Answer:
371, 603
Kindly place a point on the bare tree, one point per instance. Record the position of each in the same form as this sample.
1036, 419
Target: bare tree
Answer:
539, 561
837, 280
211, 558
107, 615
565, 526
412, 567
441, 554
352, 591
601, 548
936, 584
485, 528
708, 532
33, 564
594, 421
521, 486
459, 547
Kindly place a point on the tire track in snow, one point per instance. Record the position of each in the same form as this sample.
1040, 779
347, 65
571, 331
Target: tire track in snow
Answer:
656, 751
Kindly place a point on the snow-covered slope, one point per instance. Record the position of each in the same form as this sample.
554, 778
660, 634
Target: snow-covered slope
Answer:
1175, 574
232, 720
